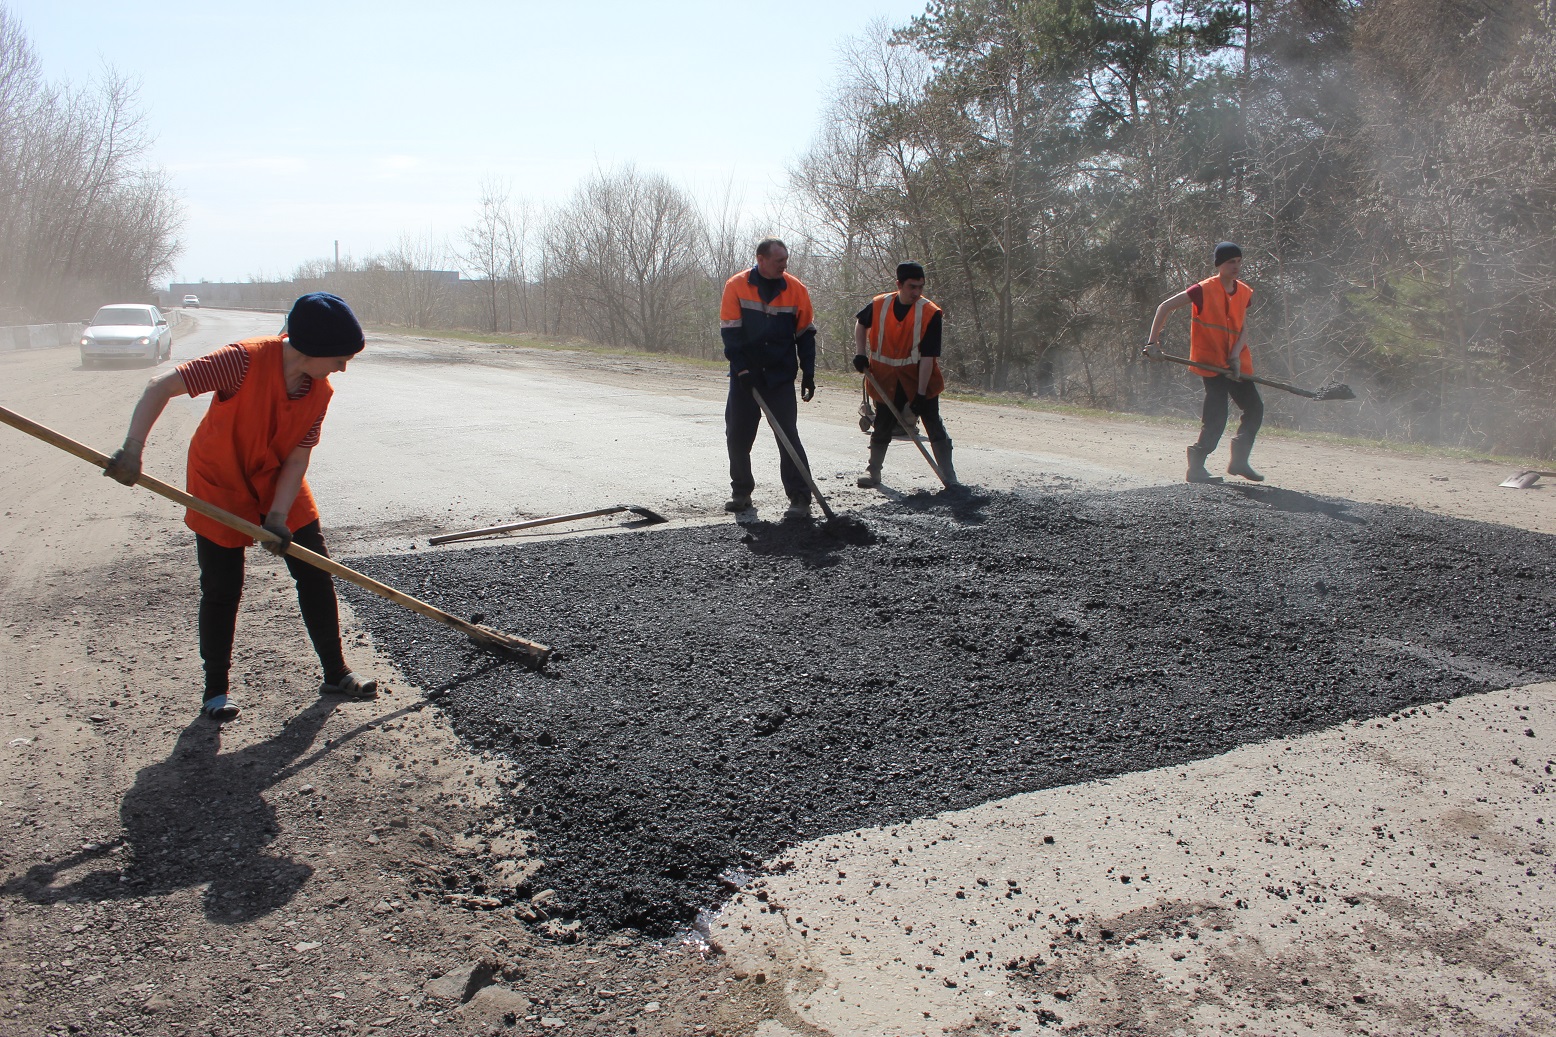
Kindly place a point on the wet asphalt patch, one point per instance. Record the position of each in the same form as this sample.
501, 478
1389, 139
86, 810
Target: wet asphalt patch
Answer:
722, 692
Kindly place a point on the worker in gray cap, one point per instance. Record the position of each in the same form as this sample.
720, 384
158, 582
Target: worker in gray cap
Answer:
1218, 336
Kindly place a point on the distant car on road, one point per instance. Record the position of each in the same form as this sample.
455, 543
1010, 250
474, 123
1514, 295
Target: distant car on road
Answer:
126, 331
192, 302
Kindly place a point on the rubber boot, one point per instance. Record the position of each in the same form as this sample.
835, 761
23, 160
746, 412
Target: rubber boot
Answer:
941, 448
1239, 465
872, 473
1197, 471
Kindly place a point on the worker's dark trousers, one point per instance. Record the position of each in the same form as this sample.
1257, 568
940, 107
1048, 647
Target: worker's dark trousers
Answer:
928, 412
741, 418
1212, 417
221, 587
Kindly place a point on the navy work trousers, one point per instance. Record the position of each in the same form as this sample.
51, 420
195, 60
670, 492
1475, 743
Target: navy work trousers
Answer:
1212, 417
929, 413
221, 588
741, 418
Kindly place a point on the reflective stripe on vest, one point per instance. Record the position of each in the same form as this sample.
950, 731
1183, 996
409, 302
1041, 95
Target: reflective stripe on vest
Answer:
760, 306
877, 354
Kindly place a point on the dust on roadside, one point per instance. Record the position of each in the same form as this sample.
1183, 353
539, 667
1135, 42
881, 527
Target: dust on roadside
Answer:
320, 866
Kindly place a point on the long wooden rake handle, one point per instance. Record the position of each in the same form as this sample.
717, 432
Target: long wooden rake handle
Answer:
535, 653
903, 424
508, 527
794, 455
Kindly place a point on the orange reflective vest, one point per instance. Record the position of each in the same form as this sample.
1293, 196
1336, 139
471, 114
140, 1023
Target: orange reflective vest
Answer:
236, 453
892, 347
1217, 324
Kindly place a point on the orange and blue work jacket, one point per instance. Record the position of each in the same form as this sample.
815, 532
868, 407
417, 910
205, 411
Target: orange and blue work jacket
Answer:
768, 327
1217, 325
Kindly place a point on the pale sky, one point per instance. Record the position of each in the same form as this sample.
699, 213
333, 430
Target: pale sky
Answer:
287, 125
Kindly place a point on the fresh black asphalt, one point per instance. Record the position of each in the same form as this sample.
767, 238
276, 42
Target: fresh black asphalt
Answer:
722, 692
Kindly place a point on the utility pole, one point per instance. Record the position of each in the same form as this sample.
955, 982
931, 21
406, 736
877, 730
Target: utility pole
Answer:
1242, 93
337, 255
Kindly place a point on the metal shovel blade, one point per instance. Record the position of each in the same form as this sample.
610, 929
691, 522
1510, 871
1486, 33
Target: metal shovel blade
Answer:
1524, 480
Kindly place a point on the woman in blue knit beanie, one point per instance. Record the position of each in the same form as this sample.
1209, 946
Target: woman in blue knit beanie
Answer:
248, 457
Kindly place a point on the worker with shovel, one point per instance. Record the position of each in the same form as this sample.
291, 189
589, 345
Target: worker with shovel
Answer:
248, 457
897, 345
766, 322
1218, 337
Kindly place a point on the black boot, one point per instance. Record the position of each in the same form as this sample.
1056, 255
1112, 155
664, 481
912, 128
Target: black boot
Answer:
942, 452
1239, 465
872, 473
1197, 472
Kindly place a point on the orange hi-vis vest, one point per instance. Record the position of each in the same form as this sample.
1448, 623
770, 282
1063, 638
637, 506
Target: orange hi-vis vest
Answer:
1217, 324
892, 346
236, 453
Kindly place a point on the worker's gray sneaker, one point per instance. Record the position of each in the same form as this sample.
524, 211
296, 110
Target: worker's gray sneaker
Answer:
217, 708
738, 502
798, 508
351, 686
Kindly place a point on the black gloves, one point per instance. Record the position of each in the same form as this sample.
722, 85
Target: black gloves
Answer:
124, 465
747, 379
915, 404
861, 363
807, 387
277, 524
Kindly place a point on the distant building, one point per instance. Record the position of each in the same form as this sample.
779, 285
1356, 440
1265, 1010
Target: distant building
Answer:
279, 295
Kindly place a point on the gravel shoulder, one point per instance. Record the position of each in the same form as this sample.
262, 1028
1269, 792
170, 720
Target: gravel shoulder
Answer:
320, 866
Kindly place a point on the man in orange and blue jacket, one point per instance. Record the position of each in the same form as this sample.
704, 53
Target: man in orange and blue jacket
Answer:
767, 325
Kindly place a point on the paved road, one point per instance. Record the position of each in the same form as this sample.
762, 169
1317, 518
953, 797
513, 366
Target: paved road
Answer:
428, 435
431, 435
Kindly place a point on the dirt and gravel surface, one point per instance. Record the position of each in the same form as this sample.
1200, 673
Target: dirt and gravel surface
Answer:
327, 867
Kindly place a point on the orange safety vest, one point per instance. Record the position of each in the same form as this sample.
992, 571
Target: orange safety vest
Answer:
1217, 324
236, 453
892, 347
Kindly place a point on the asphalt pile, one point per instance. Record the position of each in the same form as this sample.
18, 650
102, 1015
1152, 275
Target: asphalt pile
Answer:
724, 692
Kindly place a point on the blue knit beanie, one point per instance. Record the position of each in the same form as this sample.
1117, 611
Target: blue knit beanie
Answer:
1227, 250
321, 324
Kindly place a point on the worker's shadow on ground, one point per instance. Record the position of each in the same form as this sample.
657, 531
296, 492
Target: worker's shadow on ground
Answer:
1295, 503
963, 504
197, 817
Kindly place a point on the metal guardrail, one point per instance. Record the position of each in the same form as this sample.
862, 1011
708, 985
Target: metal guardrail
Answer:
39, 336
54, 336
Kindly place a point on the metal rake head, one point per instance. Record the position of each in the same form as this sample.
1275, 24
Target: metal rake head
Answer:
647, 515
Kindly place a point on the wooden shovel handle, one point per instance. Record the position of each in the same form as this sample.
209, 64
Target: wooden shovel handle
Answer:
1272, 383
539, 653
794, 455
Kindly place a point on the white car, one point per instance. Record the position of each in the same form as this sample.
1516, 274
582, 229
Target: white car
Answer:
191, 302
126, 331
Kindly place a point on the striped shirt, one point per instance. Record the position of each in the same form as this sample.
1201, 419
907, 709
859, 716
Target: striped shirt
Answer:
222, 371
